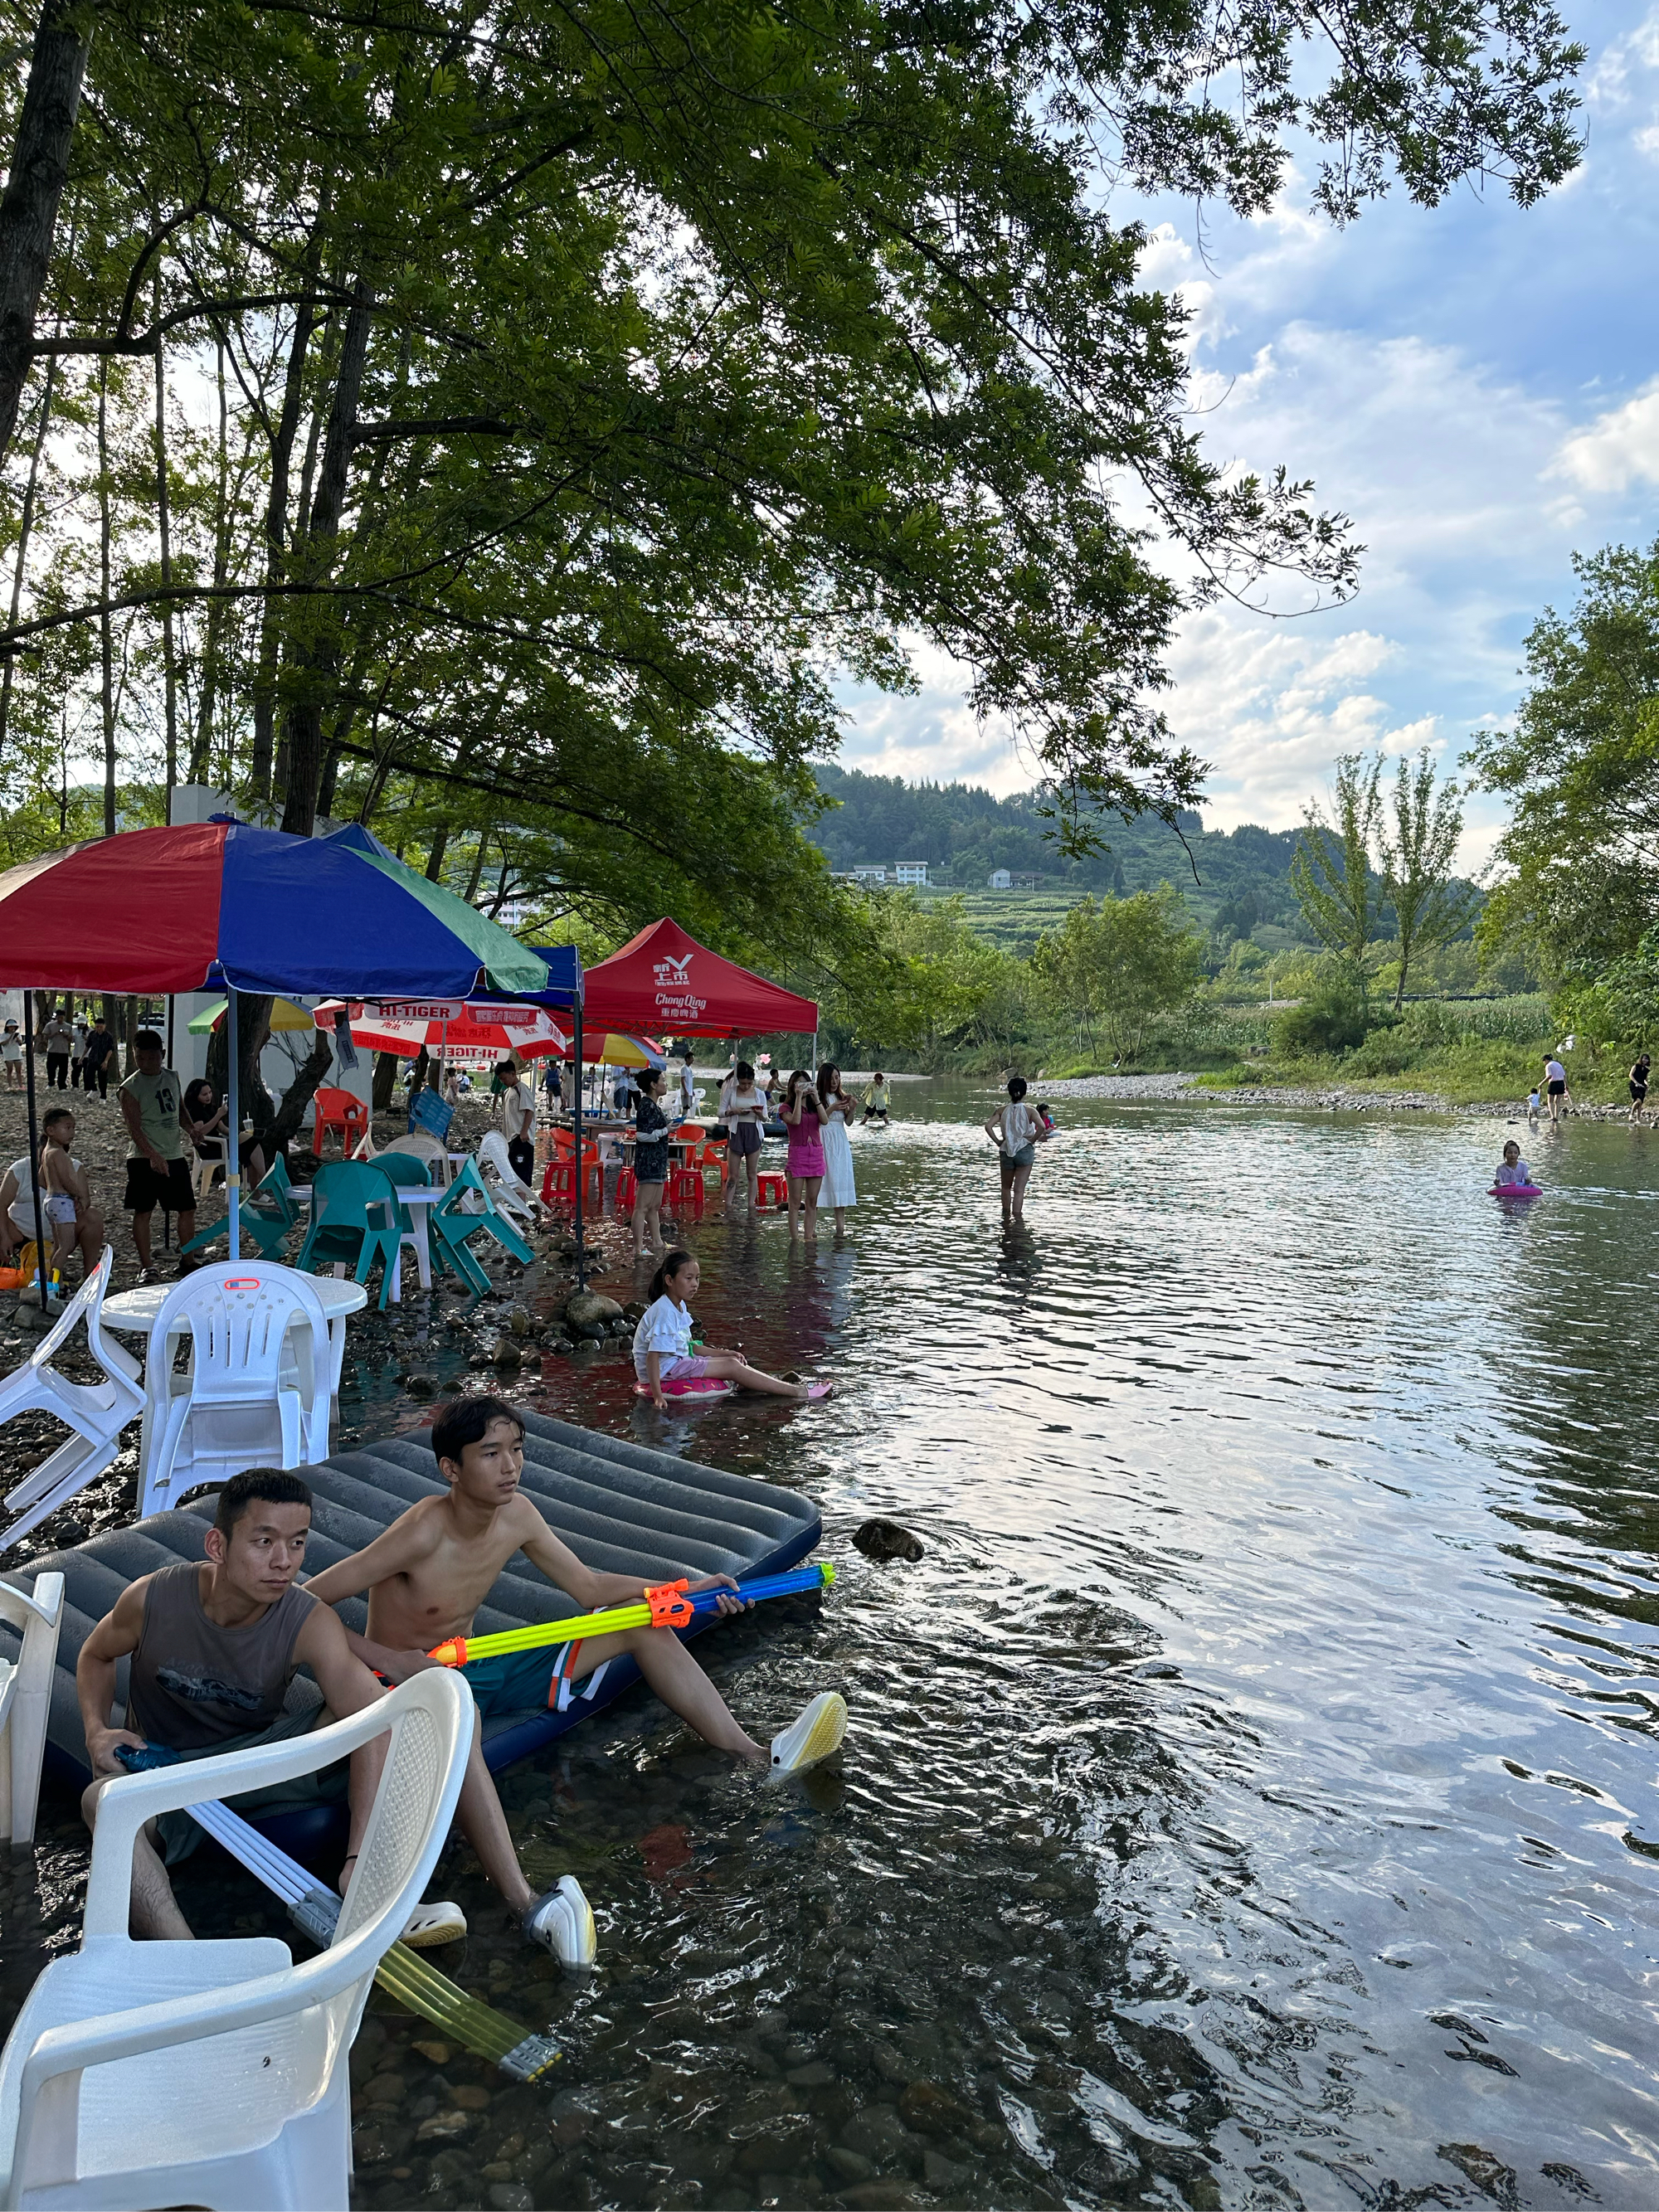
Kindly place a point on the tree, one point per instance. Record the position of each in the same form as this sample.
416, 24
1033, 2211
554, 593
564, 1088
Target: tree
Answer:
1580, 856
1331, 873
1120, 962
1429, 907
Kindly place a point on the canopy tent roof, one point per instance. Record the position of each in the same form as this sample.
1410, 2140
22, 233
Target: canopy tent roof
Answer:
223, 904
664, 981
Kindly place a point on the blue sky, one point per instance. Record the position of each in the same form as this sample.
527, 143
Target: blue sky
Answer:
1477, 385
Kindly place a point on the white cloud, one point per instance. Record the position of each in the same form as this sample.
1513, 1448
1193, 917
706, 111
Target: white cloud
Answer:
1620, 448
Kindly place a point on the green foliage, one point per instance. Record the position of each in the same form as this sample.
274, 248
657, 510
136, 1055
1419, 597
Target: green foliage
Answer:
1580, 767
1117, 964
1331, 873
1331, 1019
1431, 908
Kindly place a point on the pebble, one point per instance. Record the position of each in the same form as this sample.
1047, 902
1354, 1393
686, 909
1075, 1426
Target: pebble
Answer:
510, 2197
437, 2052
447, 2127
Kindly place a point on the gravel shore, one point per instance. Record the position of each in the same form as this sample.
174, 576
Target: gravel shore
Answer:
1338, 1097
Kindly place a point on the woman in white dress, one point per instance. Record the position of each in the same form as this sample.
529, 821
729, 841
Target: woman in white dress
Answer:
838, 1189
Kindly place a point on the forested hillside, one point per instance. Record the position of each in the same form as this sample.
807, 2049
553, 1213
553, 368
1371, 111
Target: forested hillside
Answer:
1242, 876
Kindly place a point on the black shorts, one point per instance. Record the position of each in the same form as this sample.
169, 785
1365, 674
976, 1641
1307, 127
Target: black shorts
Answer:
522, 1153
1638, 1092
1557, 1089
149, 1187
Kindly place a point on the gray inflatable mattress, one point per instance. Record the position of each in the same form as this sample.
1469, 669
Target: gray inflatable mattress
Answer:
621, 1507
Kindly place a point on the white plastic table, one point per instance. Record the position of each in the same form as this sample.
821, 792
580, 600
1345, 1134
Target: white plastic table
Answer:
135, 1312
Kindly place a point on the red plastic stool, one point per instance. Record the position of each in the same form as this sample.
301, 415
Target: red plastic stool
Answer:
684, 1183
626, 1191
772, 1189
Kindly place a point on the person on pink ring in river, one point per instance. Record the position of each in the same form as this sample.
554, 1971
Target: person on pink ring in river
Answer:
662, 1343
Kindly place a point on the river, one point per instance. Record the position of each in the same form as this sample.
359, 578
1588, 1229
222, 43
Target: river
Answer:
1249, 1799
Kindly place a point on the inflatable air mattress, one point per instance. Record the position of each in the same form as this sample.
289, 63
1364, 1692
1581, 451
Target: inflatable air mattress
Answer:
622, 1509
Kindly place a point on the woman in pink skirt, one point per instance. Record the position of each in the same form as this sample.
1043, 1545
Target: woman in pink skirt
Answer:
803, 1115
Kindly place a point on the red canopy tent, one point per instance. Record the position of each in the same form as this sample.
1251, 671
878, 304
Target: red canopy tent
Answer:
664, 979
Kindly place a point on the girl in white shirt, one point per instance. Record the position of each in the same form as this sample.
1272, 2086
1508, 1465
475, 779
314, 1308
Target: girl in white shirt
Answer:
1017, 1133
662, 1343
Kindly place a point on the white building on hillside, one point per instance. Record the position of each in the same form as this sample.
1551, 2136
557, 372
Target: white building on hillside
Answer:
911, 871
1001, 880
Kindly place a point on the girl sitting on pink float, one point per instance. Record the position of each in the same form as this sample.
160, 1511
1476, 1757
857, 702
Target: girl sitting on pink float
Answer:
1514, 1177
667, 1367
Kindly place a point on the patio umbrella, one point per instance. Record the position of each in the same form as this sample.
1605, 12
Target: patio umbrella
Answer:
611, 1048
223, 903
284, 1015
445, 1026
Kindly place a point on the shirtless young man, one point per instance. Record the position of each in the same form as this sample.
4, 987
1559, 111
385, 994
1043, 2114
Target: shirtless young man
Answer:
212, 1651
428, 1573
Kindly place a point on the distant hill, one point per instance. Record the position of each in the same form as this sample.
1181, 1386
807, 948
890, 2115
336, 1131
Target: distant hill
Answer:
965, 832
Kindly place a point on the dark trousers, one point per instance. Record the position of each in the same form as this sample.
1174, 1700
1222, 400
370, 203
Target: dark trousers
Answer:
99, 1075
57, 1071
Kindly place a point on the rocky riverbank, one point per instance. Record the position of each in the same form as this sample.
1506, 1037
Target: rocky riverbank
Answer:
1334, 1098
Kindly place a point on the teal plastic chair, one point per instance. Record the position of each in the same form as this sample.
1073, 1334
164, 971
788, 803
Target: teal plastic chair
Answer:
453, 1221
402, 1168
342, 1199
270, 1215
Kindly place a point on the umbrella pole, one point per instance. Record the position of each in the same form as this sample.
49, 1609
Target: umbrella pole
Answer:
233, 1155
582, 1256
34, 1148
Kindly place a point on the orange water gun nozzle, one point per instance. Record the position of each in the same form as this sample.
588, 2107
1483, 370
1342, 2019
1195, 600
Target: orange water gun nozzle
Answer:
450, 1654
670, 1607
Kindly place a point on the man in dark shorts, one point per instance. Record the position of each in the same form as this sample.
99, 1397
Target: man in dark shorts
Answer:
211, 1650
1639, 1076
152, 1104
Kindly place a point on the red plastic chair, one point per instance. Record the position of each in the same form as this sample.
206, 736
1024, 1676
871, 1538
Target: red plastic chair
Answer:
559, 1177
772, 1189
626, 1191
343, 1112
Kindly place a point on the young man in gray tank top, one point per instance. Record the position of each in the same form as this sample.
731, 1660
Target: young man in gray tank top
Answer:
212, 1649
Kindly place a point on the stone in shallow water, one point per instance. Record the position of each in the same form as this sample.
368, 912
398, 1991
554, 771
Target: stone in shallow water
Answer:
447, 2127
510, 2197
851, 2166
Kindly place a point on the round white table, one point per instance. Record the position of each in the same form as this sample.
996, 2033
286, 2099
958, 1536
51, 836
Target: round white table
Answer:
135, 1312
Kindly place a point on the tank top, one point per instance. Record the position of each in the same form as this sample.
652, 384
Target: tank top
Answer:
192, 1684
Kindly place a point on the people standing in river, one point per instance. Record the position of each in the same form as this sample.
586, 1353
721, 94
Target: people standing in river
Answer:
1555, 1083
1017, 1133
743, 1114
1639, 1084
650, 1165
803, 1116
875, 1100
839, 1190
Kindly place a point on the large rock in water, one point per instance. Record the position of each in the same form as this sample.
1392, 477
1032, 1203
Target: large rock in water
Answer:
590, 1313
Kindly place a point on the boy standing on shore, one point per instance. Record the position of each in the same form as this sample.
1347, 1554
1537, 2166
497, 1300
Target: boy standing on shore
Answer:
428, 1573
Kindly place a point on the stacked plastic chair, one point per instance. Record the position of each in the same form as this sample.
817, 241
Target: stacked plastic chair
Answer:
466, 1208
341, 1229
95, 1413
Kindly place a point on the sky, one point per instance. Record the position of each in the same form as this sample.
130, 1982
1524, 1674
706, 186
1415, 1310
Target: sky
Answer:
1477, 385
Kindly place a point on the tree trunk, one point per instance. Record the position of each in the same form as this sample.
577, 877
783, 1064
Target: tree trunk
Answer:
24, 530
298, 1095
317, 656
201, 751
106, 634
282, 456
34, 191
129, 1031
163, 526
386, 1080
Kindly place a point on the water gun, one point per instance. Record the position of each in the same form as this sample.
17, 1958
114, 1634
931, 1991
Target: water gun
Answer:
666, 1605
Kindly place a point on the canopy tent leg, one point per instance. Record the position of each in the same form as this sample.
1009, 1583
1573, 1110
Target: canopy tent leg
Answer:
233, 1149
34, 1148
581, 1254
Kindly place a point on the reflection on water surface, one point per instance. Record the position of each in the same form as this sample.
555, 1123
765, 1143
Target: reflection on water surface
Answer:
1249, 1799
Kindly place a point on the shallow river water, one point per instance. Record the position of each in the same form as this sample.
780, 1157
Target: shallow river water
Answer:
1249, 1800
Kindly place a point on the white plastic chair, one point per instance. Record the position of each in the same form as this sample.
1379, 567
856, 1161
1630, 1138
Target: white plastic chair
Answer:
257, 1390
94, 1412
422, 1147
26, 1700
510, 1190
145, 2075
